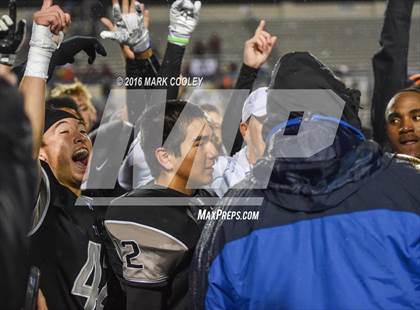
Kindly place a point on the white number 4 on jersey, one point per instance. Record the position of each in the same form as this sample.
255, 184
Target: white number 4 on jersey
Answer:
91, 292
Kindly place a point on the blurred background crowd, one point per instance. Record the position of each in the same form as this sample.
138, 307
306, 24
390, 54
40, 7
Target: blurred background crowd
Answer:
342, 34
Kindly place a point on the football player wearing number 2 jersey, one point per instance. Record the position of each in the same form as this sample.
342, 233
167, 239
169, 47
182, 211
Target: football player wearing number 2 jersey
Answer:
153, 229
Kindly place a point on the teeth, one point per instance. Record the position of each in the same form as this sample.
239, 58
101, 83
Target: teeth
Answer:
80, 154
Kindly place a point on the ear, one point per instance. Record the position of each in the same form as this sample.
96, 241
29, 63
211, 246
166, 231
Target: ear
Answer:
243, 128
164, 158
42, 155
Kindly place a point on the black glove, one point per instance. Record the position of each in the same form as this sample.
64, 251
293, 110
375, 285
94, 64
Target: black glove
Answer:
11, 39
66, 52
71, 47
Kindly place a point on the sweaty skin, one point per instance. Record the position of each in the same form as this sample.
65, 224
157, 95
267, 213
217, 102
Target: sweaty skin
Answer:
403, 123
195, 165
252, 135
67, 148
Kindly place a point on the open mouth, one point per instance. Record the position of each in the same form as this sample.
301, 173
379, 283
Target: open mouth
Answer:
81, 157
408, 140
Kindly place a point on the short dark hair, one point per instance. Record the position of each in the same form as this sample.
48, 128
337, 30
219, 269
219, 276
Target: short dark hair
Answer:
62, 102
207, 107
413, 88
58, 103
149, 125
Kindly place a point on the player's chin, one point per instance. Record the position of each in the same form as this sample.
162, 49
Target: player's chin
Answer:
206, 177
209, 174
410, 149
79, 173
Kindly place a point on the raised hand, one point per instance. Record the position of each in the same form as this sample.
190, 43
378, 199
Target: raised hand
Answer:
48, 28
183, 18
52, 16
415, 79
259, 47
129, 27
10, 37
72, 46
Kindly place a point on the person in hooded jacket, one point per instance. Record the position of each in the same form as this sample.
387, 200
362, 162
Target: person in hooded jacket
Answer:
336, 230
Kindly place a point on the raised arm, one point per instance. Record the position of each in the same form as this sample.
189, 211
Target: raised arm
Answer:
47, 33
183, 18
130, 29
137, 52
390, 63
256, 52
66, 52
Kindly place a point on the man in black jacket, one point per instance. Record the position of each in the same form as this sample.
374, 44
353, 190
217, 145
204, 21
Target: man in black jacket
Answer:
18, 174
18, 187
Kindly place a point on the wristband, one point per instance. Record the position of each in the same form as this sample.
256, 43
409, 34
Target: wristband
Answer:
38, 62
178, 41
42, 46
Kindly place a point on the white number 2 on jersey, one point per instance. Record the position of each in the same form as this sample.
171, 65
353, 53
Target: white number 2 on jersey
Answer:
80, 286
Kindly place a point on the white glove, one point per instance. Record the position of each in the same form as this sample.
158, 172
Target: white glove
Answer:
130, 29
183, 17
42, 45
5, 23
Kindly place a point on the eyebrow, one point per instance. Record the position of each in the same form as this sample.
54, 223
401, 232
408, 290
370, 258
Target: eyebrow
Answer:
415, 111
393, 114
198, 138
61, 122
201, 138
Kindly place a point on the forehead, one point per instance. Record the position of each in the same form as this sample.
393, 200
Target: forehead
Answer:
215, 116
405, 102
63, 123
198, 127
68, 122
255, 122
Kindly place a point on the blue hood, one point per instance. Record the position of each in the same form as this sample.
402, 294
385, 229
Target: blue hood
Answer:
322, 181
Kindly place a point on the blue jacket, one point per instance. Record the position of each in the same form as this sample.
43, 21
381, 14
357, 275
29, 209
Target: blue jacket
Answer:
338, 233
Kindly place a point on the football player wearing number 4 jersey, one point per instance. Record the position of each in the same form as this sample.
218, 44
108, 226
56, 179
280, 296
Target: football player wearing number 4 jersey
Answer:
64, 244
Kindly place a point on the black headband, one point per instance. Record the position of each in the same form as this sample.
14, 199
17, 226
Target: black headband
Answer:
52, 116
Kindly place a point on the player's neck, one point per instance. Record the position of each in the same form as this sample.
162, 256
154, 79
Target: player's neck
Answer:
74, 190
174, 182
250, 156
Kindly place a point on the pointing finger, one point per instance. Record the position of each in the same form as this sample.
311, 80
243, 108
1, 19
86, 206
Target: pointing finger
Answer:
46, 4
260, 26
